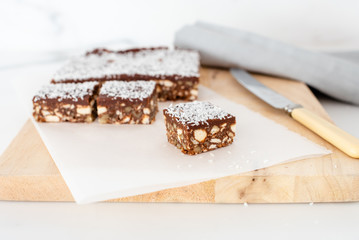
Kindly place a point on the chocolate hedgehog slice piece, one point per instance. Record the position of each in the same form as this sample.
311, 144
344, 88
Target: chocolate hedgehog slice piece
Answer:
197, 127
66, 102
123, 102
176, 71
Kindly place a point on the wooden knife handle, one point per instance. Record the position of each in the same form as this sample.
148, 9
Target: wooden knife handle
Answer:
336, 136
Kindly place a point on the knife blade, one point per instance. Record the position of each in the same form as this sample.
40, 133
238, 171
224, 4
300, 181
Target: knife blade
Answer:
328, 131
260, 90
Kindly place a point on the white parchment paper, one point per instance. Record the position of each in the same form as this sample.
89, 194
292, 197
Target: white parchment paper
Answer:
101, 162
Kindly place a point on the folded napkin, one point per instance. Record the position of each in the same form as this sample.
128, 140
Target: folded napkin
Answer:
226, 47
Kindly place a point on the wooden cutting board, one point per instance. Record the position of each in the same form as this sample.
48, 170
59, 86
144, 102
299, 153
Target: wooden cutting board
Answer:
28, 173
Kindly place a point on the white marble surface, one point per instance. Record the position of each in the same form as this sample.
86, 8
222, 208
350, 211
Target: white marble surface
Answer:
38, 31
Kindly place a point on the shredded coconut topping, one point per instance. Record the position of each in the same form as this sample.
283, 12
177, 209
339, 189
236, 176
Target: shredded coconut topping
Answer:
62, 91
128, 90
195, 113
154, 63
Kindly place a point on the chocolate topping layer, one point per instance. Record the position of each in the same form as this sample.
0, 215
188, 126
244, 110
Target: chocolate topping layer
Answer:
197, 114
66, 92
144, 63
128, 90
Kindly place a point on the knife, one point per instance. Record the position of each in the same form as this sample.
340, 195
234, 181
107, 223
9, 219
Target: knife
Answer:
331, 133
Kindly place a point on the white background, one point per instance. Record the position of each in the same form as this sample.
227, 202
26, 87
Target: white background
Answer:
38, 32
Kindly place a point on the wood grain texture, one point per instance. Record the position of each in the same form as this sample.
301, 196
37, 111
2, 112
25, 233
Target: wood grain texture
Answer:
28, 173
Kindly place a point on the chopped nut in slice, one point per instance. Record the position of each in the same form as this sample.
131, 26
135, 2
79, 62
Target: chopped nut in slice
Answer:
83, 110
213, 146
200, 135
233, 128
166, 83
125, 119
101, 110
52, 118
145, 119
214, 130
146, 111
215, 140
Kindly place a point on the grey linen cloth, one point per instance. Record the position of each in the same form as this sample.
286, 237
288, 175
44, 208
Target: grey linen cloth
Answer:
219, 46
